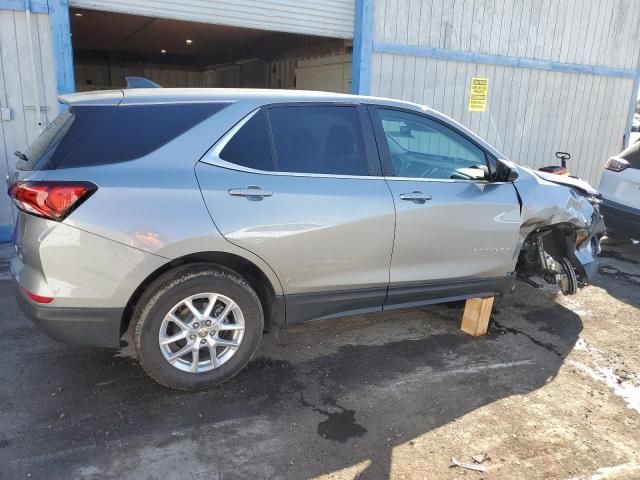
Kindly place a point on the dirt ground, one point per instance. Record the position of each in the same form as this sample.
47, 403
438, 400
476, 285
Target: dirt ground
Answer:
552, 392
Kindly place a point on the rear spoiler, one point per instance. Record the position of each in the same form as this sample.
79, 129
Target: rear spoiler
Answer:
102, 97
105, 97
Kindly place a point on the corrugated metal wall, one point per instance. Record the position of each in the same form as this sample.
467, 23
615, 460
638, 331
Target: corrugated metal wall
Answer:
101, 76
17, 90
531, 113
327, 74
328, 18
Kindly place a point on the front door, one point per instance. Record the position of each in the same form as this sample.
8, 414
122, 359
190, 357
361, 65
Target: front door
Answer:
456, 231
292, 185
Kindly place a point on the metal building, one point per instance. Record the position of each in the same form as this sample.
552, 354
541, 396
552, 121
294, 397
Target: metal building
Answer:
557, 74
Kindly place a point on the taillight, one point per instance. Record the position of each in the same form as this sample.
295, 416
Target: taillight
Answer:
616, 164
51, 200
36, 298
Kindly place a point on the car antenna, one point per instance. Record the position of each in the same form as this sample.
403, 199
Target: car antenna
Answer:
140, 82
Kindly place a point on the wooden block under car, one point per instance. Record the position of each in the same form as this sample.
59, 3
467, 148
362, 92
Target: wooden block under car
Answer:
475, 319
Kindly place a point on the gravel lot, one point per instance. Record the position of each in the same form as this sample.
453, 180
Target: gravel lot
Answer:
552, 392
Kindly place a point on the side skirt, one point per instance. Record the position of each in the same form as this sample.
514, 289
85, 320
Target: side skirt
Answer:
320, 305
301, 307
406, 296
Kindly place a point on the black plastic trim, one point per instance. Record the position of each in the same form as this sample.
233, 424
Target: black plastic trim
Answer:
98, 327
404, 296
309, 306
620, 218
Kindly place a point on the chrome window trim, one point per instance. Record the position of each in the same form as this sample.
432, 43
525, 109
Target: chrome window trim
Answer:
439, 180
213, 158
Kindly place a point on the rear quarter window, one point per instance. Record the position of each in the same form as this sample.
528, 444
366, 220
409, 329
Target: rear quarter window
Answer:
105, 135
250, 147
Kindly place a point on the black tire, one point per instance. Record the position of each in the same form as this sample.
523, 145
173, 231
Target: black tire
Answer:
572, 278
167, 291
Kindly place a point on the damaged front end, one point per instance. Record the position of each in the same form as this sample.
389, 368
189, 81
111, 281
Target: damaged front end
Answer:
560, 230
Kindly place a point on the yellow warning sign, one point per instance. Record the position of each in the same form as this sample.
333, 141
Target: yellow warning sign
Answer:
478, 94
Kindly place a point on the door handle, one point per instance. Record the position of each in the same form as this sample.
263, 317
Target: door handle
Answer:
416, 196
251, 191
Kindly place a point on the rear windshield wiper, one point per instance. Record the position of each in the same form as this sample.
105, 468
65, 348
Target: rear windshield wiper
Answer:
21, 156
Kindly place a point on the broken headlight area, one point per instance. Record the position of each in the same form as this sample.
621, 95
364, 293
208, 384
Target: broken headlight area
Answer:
537, 266
563, 255
560, 231
593, 197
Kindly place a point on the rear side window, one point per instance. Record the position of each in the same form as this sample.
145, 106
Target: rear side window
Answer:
104, 135
250, 146
318, 139
62, 135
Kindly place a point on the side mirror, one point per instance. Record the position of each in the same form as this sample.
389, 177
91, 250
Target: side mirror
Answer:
405, 131
506, 171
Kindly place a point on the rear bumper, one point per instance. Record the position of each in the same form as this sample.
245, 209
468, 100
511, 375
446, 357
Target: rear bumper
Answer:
621, 219
98, 327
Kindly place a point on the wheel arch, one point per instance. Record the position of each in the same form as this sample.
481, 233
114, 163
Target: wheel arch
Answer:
559, 240
272, 303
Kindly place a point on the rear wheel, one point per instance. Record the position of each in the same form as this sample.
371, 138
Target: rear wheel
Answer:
197, 326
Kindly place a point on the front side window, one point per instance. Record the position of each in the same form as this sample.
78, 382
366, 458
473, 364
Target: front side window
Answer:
423, 148
318, 139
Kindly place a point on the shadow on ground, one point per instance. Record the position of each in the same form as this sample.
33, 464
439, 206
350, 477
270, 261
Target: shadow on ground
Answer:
620, 270
323, 397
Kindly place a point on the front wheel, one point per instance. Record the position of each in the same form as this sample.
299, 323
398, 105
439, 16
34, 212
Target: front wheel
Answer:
568, 280
197, 326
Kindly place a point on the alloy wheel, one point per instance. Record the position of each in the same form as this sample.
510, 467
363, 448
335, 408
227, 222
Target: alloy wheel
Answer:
201, 332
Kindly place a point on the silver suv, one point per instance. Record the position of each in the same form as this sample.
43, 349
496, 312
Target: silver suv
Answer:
197, 219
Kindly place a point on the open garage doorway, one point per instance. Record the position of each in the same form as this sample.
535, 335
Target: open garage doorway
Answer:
108, 46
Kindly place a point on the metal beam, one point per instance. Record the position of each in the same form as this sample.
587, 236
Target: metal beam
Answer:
61, 46
37, 6
362, 47
483, 58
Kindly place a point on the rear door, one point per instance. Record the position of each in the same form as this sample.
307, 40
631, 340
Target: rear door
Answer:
456, 232
300, 186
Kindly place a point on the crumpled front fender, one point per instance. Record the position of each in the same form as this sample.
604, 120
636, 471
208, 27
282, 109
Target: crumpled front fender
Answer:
547, 203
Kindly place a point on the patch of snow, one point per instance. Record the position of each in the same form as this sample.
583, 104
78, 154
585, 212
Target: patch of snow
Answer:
425, 374
608, 472
628, 390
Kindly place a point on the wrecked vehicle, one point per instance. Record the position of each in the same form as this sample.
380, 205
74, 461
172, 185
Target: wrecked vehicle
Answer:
197, 219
